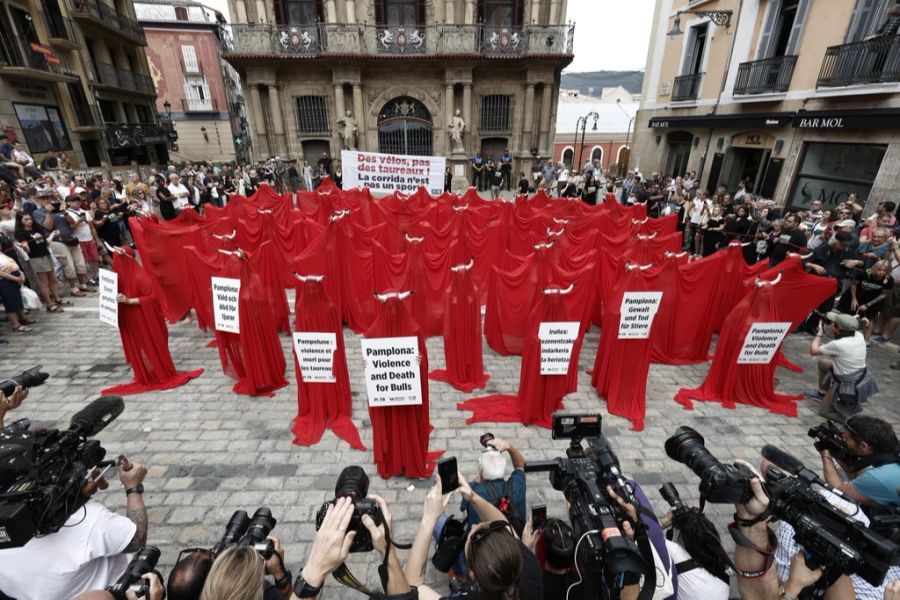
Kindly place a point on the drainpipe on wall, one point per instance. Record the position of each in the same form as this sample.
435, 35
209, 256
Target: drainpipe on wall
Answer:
737, 22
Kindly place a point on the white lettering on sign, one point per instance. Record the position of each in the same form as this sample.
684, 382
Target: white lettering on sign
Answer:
315, 355
773, 122
817, 123
225, 295
557, 340
762, 342
393, 375
109, 290
637, 313
390, 172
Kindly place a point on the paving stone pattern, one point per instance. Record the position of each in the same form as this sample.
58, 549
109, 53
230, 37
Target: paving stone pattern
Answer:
211, 452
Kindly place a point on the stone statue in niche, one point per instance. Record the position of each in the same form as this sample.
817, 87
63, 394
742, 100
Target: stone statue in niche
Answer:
348, 129
457, 127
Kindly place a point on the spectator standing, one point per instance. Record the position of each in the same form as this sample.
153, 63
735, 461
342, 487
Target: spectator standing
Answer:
181, 196
35, 240
65, 245
792, 239
11, 282
82, 229
506, 168
49, 162
448, 178
478, 166
562, 178
889, 318
866, 295
307, 176
293, 176
549, 174
506, 494
106, 223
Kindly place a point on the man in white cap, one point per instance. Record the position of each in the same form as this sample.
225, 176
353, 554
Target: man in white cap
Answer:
844, 381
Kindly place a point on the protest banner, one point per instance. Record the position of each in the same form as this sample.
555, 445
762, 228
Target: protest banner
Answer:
762, 342
225, 292
637, 313
392, 371
557, 340
389, 172
315, 355
109, 290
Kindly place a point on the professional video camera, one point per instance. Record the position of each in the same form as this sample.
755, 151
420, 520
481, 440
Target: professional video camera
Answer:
583, 477
829, 436
830, 537
44, 471
144, 562
242, 530
33, 377
719, 483
353, 483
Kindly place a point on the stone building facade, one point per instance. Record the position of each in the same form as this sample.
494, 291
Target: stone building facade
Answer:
400, 69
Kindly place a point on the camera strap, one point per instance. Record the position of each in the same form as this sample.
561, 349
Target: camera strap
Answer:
741, 540
346, 577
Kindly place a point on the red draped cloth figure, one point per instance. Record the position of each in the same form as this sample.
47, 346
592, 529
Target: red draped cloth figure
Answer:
401, 432
462, 334
254, 356
327, 404
145, 338
539, 395
729, 382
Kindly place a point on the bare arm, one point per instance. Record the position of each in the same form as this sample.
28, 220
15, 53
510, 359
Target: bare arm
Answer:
132, 475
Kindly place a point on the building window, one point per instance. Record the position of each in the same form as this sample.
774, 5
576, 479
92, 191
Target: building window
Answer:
301, 12
495, 113
867, 18
400, 13
181, 13
196, 93
405, 127
189, 63
693, 57
312, 114
831, 172
42, 127
597, 154
568, 156
143, 113
783, 28
501, 13
108, 111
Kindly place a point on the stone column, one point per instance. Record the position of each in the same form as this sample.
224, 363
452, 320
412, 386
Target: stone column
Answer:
330, 12
360, 115
450, 9
277, 136
261, 142
470, 12
448, 114
241, 10
467, 117
351, 11
553, 17
527, 119
546, 106
339, 108
536, 11
438, 14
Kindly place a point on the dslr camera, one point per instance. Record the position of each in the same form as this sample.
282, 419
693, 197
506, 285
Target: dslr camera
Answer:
353, 483
242, 530
144, 562
582, 477
829, 436
30, 378
43, 472
719, 483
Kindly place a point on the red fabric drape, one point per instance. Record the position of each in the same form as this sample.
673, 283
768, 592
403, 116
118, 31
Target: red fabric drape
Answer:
145, 338
462, 336
322, 405
269, 263
401, 432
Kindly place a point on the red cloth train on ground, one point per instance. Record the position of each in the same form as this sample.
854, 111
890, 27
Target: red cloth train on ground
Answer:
462, 334
401, 432
539, 395
145, 338
322, 405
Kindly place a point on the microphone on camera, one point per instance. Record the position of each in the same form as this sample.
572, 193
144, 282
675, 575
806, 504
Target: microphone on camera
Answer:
94, 417
794, 466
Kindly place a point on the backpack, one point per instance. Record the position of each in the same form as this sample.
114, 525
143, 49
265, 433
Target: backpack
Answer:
506, 506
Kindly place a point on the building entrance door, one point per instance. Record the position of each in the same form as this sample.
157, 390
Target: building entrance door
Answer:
679, 152
405, 127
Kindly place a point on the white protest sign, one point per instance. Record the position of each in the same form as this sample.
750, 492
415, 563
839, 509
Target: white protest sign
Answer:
389, 172
557, 340
637, 313
109, 289
225, 293
315, 355
762, 342
392, 371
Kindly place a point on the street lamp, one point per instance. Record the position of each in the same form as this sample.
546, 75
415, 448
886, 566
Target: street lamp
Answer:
205, 135
627, 135
719, 17
582, 122
168, 108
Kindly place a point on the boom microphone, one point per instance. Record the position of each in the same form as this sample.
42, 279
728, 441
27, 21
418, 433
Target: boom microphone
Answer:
782, 459
93, 418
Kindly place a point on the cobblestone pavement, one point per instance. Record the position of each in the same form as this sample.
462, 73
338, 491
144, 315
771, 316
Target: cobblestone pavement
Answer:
211, 452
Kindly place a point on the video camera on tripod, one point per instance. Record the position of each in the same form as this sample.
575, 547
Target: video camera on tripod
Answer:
595, 516
44, 471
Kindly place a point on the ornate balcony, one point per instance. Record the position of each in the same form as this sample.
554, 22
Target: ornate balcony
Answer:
106, 16
61, 31
871, 61
21, 58
766, 76
130, 135
338, 40
686, 87
194, 105
118, 79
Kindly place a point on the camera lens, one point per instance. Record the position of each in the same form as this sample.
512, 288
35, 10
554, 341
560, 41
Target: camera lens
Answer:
261, 525
235, 529
352, 483
719, 483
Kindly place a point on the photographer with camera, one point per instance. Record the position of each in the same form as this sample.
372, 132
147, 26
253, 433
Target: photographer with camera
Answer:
874, 466
12, 402
153, 582
507, 494
89, 552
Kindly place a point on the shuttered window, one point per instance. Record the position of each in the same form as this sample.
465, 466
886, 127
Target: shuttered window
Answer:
495, 113
189, 55
311, 114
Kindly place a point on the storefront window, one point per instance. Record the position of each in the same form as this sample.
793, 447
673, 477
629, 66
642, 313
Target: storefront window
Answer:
831, 172
43, 127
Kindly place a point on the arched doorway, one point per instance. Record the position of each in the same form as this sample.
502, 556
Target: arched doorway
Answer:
568, 156
405, 127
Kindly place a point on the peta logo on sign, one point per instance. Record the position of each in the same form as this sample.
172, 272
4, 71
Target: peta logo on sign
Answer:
832, 123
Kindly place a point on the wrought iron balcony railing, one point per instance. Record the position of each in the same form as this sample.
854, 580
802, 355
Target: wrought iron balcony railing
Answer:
686, 87
769, 75
87, 115
109, 16
19, 53
199, 105
323, 39
870, 61
113, 76
60, 28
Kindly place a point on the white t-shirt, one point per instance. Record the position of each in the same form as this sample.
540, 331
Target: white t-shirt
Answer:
696, 583
84, 555
697, 206
847, 354
563, 176
81, 231
181, 194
